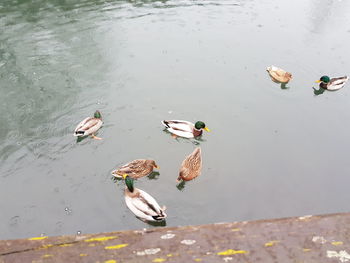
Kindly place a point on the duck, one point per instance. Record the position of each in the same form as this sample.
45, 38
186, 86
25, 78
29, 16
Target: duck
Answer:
89, 126
332, 83
279, 75
143, 205
185, 129
191, 167
136, 168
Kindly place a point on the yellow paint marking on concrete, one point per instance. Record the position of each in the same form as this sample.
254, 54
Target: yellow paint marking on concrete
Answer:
231, 252
65, 245
92, 245
169, 255
337, 243
83, 255
110, 261
117, 246
306, 249
159, 260
37, 238
45, 246
235, 229
47, 256
100, 239
271, 243
198, 259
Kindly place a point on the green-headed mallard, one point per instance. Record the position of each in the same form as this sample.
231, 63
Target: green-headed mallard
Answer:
185, 128
191, 167
279, 75
89, 126
142, 204
332, 83
136, 169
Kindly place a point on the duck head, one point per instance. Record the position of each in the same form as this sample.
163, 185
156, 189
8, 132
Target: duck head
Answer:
201, 125
324, 79
129, 182
97, 115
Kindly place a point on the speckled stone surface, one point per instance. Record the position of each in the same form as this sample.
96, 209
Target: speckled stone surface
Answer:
299, 239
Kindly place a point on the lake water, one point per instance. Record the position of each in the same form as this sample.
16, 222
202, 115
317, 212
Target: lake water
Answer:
272, 152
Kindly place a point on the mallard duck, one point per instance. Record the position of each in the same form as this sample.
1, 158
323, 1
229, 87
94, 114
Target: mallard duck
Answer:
185, 128
279, 75
332, 83
191, 167
142, 204
89, 126
136, 169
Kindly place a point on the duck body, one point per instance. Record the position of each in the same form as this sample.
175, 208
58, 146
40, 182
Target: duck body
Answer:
185, 129
332, 83
191, 167
89, 126
143, 205
136, 168
279, 75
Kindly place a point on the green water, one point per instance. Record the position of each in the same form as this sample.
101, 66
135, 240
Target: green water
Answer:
271, 152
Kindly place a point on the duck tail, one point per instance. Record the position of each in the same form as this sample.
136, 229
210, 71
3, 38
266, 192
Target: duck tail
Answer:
160, 216
79, 133
166, 123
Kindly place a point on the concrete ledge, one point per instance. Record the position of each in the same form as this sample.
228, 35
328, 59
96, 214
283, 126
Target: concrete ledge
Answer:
300, 239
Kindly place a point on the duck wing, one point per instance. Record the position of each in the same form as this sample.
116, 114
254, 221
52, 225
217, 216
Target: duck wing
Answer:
80, 129
82, 123
135, 164
337, 83
145, 206
179, 127
192, 165
136, 167
92, 126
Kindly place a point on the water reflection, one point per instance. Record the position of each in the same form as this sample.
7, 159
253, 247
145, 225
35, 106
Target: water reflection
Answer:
284, 86
181, 185
196, 140
153, 176
318, 91
81, 138
156, 223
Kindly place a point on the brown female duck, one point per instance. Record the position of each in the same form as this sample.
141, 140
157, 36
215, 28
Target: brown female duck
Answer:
136, 169
191, 167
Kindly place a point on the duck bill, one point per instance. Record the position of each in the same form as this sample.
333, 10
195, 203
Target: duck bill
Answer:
318, 81
124, 176
157, 167
206, 129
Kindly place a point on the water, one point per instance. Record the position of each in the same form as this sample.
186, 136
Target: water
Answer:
271, 152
